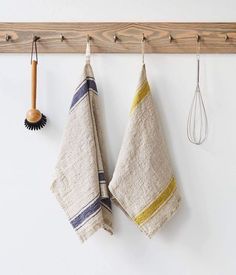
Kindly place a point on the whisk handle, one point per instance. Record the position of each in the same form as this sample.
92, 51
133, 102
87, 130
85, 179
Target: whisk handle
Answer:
33, 83
198, 69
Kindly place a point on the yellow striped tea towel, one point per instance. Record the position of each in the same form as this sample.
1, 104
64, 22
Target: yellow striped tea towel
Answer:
143, 184
80, 184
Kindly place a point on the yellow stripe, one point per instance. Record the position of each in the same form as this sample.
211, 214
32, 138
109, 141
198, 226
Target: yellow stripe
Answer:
141, 93
156, 204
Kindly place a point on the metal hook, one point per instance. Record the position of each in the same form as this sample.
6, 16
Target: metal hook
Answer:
89, 38
170, 38
198, 38
36, 38
34, 45
7, 37
62, 37
198, 45
226, 37
115, 38
144, 39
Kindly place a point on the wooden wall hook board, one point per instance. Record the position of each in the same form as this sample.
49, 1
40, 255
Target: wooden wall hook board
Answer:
159, 34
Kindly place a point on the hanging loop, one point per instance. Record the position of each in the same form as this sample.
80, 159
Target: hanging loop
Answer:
143, 41
88, 49
34, 47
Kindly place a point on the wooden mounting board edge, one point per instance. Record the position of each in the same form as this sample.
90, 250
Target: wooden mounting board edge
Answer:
129, 34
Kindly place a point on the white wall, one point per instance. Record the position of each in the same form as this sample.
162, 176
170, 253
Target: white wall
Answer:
35, 237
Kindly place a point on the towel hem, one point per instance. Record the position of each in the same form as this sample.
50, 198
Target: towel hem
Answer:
168, 216
90, 232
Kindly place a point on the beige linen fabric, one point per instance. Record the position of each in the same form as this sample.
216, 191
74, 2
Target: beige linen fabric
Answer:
80, 183
143, 183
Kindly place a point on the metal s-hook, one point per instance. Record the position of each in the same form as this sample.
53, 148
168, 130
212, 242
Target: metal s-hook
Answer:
34, 46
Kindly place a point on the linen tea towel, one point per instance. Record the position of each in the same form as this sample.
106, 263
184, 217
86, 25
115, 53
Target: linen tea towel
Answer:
80, 183
143, 184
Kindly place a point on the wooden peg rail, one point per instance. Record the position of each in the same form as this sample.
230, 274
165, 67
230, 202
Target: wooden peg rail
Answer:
119, 37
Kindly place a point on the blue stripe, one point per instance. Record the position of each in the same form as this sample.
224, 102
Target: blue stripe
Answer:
82, 82
88, 84
106, 202
86, 213
101, 176
72, 218
88, 219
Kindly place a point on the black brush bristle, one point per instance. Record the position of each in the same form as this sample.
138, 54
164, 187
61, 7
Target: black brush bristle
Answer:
37, 125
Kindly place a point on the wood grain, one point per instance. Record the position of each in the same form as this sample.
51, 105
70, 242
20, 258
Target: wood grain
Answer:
130, 34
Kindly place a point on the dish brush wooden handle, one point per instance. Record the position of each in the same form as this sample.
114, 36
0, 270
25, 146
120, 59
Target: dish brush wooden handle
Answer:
33, 83
35, 120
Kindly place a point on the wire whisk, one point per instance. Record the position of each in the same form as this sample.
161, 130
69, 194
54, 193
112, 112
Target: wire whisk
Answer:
197, 124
